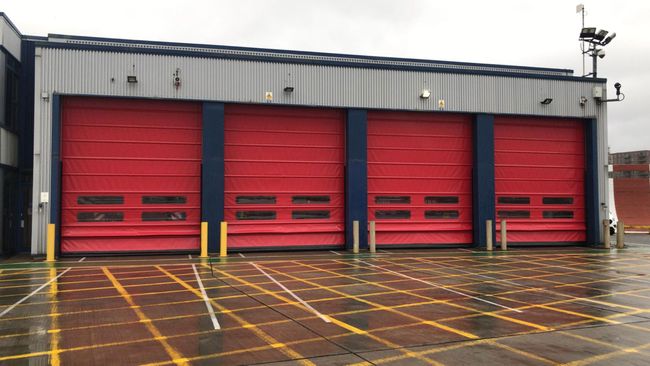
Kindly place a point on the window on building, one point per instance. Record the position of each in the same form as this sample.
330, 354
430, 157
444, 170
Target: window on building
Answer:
514, 200
446, 214
299, 200
432, 200
100, 200
255, 215
519, 214
164, 216
392, 214
392, 199
313, 215
255, 200
163, 200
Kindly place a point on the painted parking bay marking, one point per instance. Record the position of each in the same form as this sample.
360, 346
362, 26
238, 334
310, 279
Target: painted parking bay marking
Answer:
441, 287
305, 304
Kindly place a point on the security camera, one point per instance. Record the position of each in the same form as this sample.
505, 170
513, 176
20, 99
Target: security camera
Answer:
583, 101
618, 88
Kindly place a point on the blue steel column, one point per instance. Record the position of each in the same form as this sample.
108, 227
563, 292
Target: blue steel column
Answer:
212, 177
591, 181
356, 176
55, 171
483, 178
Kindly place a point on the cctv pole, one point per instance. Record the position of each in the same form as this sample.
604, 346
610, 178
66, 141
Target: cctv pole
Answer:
595, 62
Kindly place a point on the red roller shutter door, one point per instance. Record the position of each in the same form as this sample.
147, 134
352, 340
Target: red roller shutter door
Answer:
420, 177
539, 177
284, 183
131, 175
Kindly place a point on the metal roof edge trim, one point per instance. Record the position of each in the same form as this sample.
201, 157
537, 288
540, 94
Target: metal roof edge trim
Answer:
118, 49
306, 53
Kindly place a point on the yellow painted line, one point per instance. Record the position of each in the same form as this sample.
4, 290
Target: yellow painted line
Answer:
195, 335
174, 302
344, 325
382, 307
245, 350
257, 331
494, 314
607, 356
546, 290
523, 353
446, 288
591, 340
55, 359
175, 355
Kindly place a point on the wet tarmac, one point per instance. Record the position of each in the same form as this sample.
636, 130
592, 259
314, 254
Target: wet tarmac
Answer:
536, 306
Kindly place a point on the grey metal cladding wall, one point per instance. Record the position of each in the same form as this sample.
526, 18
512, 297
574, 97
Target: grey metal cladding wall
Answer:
81, 72
89, 72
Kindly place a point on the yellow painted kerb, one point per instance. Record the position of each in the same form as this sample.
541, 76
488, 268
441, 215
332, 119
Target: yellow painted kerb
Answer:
223, 251
51, 233
204, 239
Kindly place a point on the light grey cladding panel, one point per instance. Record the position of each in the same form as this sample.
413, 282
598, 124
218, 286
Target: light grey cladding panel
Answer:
3, 85
104, 73
9, 38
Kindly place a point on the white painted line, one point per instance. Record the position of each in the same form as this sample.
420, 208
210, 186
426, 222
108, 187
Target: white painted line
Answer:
323, 317
385, 251
337, 253
441, 287
189, 256
215, 322
465, 250
241, 255
82, 259
32, 293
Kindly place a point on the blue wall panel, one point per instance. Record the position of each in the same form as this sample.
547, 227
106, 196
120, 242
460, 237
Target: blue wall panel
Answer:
356, 176
591, 181
212, 177
483, 177
55, 177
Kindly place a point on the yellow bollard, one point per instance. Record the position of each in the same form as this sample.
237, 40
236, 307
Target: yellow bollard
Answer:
204, 240
606, 239
51, 236
620, 235
488, 234
355, 237
504, 236
372, 243
223, 248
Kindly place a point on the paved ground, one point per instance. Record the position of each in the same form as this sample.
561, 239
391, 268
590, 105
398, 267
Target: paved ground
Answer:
574, 306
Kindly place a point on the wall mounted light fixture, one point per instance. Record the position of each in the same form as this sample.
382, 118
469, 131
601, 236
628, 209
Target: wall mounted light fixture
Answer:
425, 94
547, 101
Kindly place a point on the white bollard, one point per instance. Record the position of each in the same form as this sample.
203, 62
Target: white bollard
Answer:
355, 237
620, 235
372, 243
488, 234
504, 240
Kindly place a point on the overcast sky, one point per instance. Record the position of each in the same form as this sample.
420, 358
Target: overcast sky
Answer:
520, 32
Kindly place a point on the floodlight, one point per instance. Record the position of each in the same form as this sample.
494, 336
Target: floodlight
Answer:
609, 38
588, 33
547, 101
600, 35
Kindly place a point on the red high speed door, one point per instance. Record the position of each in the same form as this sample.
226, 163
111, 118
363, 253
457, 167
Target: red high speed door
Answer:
420, 177
539, 178
284, 182
131, 175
